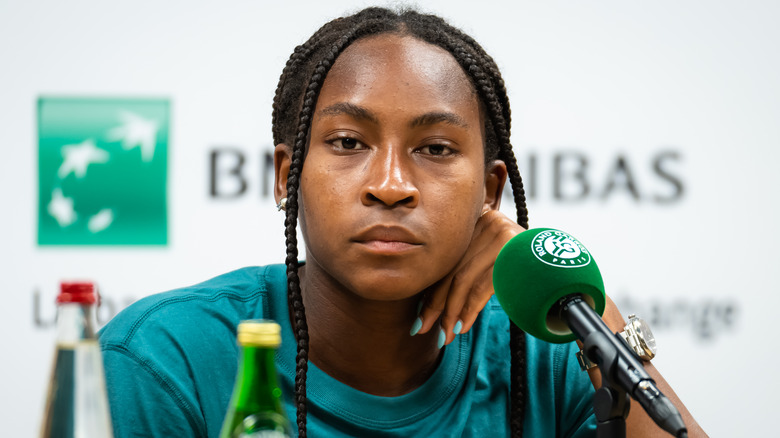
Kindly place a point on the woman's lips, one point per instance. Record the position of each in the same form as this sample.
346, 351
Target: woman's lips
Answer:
388, 246
387, 239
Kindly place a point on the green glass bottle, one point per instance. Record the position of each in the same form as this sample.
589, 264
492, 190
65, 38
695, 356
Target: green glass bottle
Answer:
255, 409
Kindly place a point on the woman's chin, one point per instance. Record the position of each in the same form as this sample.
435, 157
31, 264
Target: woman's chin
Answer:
389, 289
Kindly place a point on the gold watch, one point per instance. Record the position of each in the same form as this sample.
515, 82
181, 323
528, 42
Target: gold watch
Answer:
637, 335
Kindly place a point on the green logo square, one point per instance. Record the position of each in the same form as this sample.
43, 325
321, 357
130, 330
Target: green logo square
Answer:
102, 171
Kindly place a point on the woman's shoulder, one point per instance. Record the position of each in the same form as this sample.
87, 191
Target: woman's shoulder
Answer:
201, 309
170, 357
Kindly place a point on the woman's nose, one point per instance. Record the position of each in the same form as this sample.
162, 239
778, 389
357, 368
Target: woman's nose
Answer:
390, 180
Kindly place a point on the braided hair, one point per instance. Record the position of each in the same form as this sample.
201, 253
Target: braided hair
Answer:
293, 108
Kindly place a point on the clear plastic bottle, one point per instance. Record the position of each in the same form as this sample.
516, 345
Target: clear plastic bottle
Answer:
76, 404
255, 409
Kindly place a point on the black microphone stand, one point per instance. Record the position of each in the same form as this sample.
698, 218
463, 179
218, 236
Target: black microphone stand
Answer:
621, 371
611, 402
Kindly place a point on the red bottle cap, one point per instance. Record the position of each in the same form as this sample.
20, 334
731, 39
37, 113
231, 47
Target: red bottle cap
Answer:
82, 292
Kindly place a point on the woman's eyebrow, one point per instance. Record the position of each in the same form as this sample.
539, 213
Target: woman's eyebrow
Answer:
433, 118
349, 109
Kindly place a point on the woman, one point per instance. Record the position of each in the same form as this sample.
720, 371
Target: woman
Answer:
392, 150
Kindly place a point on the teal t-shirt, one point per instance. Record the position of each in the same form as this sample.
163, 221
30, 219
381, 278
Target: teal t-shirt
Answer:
171, 361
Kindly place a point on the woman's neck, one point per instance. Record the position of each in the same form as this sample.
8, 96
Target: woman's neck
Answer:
365, 343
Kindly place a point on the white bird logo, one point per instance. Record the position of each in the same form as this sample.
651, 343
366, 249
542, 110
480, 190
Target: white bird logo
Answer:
136, 131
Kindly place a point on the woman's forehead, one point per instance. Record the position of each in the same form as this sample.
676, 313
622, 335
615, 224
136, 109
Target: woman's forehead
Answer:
409, 66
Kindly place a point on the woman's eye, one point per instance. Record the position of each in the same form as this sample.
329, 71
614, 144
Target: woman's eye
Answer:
347, 143
436, 149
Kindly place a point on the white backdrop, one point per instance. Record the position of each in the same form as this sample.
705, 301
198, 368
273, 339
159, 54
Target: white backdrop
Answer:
682, 98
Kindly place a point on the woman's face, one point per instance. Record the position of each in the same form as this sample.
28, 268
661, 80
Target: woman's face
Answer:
394, 178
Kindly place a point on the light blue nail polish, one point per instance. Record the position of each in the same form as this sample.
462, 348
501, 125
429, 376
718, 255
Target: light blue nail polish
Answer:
442, 338
458, 327
416, 326
419, 306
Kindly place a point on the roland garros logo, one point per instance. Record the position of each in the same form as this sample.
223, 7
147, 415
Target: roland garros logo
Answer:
560, 249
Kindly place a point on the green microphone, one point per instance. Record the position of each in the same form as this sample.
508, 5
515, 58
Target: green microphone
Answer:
535, 270
549, 285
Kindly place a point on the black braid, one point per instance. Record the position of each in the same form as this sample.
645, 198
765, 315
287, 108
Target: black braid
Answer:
518, 381
295, 100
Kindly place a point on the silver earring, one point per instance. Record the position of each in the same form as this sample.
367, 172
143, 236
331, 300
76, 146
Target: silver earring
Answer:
282, 205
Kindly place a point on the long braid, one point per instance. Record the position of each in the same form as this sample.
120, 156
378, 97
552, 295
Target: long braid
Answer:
326, 45
295, 300
518, 380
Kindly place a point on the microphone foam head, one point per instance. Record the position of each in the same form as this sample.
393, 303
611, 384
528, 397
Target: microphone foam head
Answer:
537, 268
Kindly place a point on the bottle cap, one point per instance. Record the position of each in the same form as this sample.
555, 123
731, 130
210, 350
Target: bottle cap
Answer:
259, 333
81, 292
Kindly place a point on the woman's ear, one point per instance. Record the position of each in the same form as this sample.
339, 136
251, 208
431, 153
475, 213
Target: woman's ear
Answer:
282, 160
495, 178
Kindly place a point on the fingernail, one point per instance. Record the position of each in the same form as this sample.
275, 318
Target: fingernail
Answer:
458, 327
419, 306
442, 338
416, 326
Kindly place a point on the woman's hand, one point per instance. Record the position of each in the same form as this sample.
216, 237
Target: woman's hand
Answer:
452, 305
